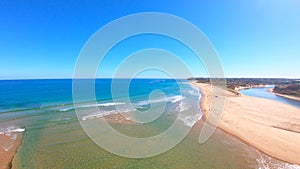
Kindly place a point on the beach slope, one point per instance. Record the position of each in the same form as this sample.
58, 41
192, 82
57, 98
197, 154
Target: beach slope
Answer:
270, 126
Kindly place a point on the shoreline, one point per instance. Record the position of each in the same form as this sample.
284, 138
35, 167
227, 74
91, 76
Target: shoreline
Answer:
248, 87
14, 159
285, 96
248, 119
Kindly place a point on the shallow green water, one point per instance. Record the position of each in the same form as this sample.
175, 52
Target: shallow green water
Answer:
67, 146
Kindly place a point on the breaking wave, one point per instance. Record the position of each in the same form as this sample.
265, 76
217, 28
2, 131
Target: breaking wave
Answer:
11, 132
172, 99
182, 106
190, 120
11, 129
91, 105
104, 113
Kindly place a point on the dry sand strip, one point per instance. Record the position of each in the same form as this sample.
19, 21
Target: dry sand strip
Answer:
270, 126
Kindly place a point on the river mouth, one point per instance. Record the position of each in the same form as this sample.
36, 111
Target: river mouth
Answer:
264, 92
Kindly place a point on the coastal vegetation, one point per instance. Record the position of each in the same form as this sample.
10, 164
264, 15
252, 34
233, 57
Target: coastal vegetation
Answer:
289, 89
283, 86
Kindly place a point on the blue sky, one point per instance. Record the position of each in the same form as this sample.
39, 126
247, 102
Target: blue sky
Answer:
255, 38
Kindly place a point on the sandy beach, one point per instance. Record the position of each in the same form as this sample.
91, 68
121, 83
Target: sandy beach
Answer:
270, 126
8, 150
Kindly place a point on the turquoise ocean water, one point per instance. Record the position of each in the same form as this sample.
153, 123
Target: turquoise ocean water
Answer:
53, 137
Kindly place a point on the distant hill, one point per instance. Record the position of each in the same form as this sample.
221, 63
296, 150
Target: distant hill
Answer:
290, 89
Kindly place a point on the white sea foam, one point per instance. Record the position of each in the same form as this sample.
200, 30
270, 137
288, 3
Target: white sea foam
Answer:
11, 132
66, 109
172, 99
104, 113
190, 120
183, 106
200, 96
265, 162
156, 81
175, 99
17, 130
91, 105
11, 129
195, 90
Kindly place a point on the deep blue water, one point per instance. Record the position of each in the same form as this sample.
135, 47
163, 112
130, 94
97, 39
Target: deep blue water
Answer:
28, 94
263, 92
30, 103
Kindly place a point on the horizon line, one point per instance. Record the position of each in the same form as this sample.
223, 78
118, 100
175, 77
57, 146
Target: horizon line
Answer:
67, 78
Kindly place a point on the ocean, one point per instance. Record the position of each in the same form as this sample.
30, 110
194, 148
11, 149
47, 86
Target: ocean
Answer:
54, 138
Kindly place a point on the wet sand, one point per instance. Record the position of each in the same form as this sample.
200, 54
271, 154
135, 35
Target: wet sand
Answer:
270, 126
8, 150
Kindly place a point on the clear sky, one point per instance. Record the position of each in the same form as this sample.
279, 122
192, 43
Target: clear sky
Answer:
254, 38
